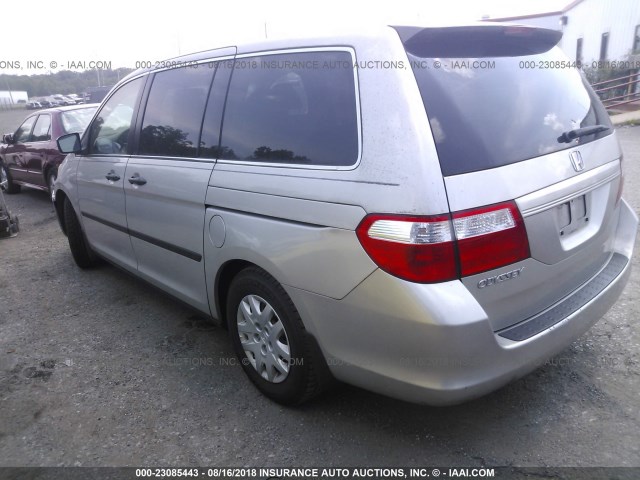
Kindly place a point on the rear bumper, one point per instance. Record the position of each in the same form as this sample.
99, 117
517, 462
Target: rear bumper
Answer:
434, 344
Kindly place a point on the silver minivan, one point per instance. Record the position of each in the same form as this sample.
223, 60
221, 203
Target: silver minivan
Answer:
427, 213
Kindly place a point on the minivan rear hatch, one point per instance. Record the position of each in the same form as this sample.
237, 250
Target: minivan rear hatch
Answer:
514, 122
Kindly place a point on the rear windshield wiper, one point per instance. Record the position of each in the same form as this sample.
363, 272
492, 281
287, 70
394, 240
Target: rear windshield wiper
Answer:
571, 135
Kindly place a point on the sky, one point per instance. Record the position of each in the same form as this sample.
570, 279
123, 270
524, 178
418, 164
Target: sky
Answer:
123, 33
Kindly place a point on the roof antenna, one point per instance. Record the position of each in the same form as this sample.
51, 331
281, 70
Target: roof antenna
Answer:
265, 30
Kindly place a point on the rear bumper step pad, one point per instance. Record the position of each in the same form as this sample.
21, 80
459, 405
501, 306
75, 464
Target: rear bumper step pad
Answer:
574, 302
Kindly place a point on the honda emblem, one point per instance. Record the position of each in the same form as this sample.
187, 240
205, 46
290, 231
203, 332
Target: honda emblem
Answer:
576, 161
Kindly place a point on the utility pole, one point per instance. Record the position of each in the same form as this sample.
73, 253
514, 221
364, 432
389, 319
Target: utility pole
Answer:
6, 80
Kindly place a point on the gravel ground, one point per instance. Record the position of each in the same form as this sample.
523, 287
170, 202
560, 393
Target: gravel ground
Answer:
99, 369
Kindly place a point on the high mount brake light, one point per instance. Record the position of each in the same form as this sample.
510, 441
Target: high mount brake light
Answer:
431, 249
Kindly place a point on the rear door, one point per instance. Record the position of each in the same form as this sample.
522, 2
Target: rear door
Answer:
15, 157
166, 181
39, 149
500, 101
101, 176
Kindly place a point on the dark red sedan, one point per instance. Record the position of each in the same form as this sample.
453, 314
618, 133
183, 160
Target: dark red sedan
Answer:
30, 157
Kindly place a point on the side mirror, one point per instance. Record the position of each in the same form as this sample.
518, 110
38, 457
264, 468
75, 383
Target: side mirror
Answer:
69, 143
7, 138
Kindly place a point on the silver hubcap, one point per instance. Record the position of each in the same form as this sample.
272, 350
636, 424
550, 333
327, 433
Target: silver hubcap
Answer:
52, 180
263, 338
4, 182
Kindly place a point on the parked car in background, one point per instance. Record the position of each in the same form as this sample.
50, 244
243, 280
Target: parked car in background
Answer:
30, 157
96, 94
76, 98
46, 103
432, 243
33, 105
63, 100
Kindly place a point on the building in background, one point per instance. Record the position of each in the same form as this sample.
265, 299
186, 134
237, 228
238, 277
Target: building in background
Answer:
592, 30
12, 97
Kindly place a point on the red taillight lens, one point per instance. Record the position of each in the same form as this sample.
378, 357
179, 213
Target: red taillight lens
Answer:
418, 249
423, 249
490, 237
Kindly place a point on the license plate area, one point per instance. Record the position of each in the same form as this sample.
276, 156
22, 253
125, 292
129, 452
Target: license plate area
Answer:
572, 215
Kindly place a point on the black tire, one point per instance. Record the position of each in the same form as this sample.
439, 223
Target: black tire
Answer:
82, 253
307, 376
11, 187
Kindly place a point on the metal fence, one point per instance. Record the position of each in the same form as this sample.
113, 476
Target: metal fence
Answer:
619, 91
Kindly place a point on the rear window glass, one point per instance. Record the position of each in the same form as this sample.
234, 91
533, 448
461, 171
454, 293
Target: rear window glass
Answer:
75, 121
294, 108
492, 111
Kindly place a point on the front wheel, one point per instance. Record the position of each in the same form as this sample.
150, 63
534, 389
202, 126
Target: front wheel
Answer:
270, 340
80, 250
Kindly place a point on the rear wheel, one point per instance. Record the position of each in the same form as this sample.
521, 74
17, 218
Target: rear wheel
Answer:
51, 180
5, 178
82, 253
270, 340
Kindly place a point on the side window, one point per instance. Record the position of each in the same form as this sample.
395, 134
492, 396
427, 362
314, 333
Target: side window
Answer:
110, 130
23, 134
42, 130
604, 46
210, 138
173, 116
579, 50
296, 108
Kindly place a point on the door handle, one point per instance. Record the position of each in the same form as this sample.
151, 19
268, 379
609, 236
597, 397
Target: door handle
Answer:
112, 176
136, 179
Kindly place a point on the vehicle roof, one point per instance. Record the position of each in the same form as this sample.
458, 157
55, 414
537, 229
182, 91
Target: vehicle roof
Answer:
312, 36
69, 107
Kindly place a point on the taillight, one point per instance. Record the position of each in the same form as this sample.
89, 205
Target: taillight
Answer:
490, 237
434, 249
418, 249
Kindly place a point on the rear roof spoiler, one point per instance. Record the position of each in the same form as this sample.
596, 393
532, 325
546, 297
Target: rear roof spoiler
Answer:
477, 41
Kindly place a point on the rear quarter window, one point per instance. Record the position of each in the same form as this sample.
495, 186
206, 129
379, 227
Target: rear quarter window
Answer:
292, 108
